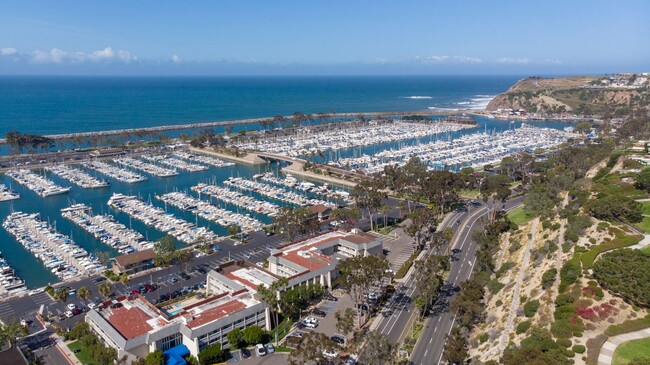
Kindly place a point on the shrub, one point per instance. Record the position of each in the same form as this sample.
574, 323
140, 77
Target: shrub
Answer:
570, 272
235, 338
620, 271
522, 327
548, 278
504, 267
253, 334
494, 286
531, 307
155, 358
564, 299
579, 349
483, 337
212, 354
564, 342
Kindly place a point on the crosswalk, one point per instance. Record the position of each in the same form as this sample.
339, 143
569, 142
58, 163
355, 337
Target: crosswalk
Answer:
6, 310
41, 298
402, 258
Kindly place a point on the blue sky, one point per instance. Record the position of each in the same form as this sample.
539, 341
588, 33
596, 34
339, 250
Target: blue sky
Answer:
242, 37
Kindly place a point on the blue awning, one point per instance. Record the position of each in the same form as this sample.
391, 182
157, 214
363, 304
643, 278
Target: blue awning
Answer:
174, 356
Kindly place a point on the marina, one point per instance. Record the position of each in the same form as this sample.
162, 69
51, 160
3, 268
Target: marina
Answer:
10, 283
145, 167
473, 150
153, 216
56, 251
237, 199
36, 183
210, 212
7, 194
77, 177
293, 183
273, 192
176, 163
105, 228
115, 172
207, 160
305, 142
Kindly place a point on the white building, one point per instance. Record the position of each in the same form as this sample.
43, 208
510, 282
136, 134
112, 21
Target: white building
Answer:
135, 327
315, 260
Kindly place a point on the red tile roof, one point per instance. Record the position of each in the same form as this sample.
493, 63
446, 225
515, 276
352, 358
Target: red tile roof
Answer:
131, 322
315, 262
216, 313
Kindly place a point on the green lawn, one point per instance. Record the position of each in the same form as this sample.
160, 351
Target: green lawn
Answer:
627, 351
620, 240
470, 193
83, 355
644, 225
518, 216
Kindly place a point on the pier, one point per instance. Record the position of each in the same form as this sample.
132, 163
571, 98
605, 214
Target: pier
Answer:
114, 172
106, 229
36, 183
274, 192
210, 212
145, 167
237, 199
77, 177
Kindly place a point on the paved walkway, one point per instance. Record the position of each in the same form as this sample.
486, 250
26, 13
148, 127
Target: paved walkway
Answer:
643, 243
515, 296
607, 351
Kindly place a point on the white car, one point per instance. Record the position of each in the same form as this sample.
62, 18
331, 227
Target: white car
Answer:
92, 305
330, 354
69, 314
309, 324
71, 306
260, 349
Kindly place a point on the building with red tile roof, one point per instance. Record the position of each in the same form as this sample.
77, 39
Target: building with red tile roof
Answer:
315, 260
135, 327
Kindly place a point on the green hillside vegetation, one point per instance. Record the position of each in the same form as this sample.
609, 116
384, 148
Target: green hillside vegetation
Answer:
626, 272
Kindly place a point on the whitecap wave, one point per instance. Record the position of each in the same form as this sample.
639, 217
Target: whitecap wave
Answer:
477, 102
417, 97
444, 109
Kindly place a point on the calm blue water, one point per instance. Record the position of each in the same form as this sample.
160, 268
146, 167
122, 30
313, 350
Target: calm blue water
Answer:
49, 105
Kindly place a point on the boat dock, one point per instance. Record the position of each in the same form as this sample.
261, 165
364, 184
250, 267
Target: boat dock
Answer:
273, 192
10, 283
155, 217
203, 159
237, 199
106, 229
292, 183
77, 177
56, 251
176, 163
36, 183
115, 172
210, 212
7, 194
145, 167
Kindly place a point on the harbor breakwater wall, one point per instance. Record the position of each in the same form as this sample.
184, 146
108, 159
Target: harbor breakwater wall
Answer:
199, 125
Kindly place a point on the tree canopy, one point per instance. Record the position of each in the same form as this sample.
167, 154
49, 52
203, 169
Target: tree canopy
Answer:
626, 272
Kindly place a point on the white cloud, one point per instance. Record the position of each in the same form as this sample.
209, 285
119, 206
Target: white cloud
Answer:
526, 61
448, 59
59, 56
175, 59
8, 51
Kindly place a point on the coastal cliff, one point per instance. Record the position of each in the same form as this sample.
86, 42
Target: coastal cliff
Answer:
609, 96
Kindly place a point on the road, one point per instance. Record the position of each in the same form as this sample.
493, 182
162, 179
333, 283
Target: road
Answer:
399, 313
429, 348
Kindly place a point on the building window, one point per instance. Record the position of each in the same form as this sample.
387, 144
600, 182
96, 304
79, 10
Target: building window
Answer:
170, 341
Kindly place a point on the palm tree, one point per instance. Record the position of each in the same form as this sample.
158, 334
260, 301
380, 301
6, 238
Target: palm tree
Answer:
11, 332
124, 279
84, 293
184, 257
105, 289
61, 295
271, 296
384, 211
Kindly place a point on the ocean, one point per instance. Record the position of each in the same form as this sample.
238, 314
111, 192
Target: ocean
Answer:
52, 105
48, 105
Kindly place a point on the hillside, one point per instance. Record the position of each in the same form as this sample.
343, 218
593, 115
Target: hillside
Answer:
610, 96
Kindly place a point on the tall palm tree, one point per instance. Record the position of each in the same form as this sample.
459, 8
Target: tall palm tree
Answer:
271, 295
61, 295
105, 289
384, 209
124, 279
84, 293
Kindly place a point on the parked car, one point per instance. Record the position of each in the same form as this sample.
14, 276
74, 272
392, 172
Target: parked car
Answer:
245, 353
269, 348
92, 305
318, 312
330, 354
71, 306
260, 350
338, 339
